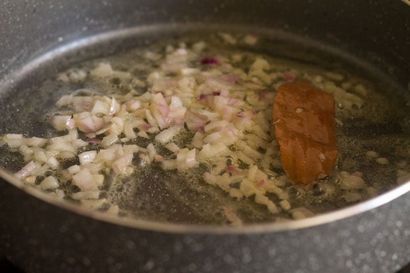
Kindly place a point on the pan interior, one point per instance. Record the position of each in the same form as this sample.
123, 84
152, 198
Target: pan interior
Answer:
29, 95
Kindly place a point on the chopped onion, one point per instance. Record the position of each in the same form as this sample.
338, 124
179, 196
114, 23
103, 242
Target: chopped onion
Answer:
86, 195
172, 147
26, 170
103, 70
88, 123
109, 140
61, 123
167, 135
186, 159
101, 107
120, 165
53, 162
87, 157
49, 183
351, 182
74, 169
169, 164
210, 151
114, 106
85, 180
13, 140
198, 140
64, 100
151, 152
133, 105
301, 212
195, 121
36, 141
93, 204
82, 103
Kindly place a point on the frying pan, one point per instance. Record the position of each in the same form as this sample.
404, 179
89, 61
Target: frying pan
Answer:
39, 234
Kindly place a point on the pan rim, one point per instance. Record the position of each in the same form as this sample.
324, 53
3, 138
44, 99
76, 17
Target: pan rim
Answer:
173, 228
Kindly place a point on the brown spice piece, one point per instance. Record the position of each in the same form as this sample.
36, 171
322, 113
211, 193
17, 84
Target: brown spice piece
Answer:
305, 128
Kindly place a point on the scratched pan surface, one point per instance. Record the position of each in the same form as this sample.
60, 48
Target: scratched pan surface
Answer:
30, 240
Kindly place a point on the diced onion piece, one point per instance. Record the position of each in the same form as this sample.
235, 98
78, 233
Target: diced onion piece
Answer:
151, 151
167, 135
172, 147
87, 157
186, 159
198, 140
64, 100
26, 152
36, 141
352, 196
216, 125
263, 200
101, 107
351, 182
150, 118
40, 170
143, 134
232, 216
99, 179
169, 164
160, 111
285, 204
109, 140
131, 149
49, 183
133, 105
195, 121
106, 155
13, 140
117, 126
250, 39
210, 178
93, 204
74, 169
82, 103
210, 151
88, 123
372, 154
120, 166
53, 162
78, 143
62, 145
113, 210
26, 170
86, 195
40, 156
129, 130
102, 70
300, 213
61, 123
114, 106
84, 179
228, 38
30, 179
382, 161
213, 138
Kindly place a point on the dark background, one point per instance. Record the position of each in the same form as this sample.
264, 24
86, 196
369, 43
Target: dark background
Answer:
7, 267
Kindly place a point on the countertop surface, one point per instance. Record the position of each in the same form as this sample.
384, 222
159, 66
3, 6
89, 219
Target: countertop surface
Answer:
7, 267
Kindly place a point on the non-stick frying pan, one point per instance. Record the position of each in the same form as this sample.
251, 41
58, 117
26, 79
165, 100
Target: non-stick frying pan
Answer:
40, 235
